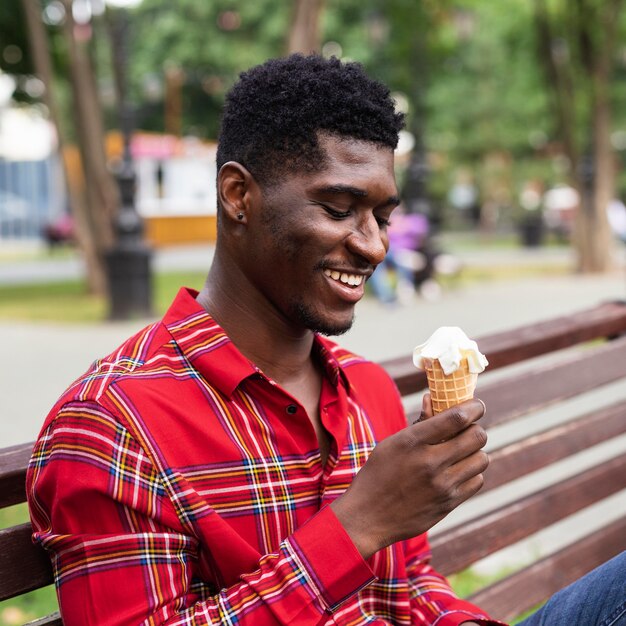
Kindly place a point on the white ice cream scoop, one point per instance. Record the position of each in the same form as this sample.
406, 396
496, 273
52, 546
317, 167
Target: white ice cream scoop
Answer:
450, 345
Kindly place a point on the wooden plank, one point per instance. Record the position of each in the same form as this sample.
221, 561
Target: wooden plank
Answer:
521, 591
532, 340
48, 620
525, 342
23, 565
13, 463
583, 371
540, 450
459, 547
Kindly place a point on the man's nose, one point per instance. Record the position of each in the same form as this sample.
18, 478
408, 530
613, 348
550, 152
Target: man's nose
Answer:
368, 240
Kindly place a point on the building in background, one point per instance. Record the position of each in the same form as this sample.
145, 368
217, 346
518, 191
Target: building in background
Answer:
175, 181
176, 194
32, 193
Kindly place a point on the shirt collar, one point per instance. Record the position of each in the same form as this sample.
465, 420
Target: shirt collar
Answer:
209, 349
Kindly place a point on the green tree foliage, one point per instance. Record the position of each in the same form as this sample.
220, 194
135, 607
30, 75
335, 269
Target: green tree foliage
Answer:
488, 94
210, 43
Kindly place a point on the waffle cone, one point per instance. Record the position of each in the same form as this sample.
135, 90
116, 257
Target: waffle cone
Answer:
446, 391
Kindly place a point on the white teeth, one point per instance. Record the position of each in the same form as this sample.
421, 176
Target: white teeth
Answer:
347, 279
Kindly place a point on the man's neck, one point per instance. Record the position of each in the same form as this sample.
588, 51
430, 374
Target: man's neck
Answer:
257, 330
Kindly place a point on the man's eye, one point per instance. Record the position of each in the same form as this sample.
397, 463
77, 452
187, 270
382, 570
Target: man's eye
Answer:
336, 214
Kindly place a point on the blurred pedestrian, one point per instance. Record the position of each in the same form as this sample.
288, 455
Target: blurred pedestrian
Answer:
394, 278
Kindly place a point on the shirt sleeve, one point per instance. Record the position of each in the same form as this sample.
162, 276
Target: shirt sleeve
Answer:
433, 602
122, 556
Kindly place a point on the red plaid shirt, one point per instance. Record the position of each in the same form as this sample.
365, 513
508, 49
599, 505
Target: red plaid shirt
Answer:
174, 483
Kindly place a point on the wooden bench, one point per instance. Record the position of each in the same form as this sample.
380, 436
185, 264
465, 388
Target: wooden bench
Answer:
534, 366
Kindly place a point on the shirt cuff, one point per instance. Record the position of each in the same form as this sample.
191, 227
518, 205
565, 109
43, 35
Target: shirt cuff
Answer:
331, 559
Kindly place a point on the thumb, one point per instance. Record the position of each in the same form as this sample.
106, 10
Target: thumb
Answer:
427, 408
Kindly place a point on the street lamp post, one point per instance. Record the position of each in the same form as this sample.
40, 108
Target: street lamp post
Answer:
129, 260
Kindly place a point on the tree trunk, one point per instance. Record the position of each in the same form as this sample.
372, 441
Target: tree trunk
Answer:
40, 49
595, 243
101, 192
591, 44
593, 237
174, 81
304, 34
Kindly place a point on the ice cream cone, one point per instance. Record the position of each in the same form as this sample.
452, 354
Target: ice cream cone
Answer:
449, 390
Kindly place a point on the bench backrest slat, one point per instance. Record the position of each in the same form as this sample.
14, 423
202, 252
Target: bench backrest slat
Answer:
525, 342
23, 566
511, 596
536, 339
584, 371
459, 547
13, 462
549, 446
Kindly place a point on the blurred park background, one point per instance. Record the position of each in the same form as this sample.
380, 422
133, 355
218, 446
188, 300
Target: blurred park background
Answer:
513, 157
516, 116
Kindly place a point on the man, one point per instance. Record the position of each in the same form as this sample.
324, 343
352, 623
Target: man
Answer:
206, 471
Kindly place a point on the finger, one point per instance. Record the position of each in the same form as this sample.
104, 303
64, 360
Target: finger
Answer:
470, 487
463, 445
472, 465
427, 409
484, 407
450, 422
427, 406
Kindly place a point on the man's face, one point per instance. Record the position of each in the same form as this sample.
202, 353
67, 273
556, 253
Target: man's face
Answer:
319, 236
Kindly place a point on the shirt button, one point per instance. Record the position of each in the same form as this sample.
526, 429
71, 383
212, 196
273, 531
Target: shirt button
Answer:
292, 409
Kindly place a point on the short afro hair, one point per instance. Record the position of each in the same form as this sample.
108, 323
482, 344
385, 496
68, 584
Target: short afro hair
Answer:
275, 112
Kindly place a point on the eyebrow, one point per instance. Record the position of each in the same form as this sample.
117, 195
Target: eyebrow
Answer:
356, 191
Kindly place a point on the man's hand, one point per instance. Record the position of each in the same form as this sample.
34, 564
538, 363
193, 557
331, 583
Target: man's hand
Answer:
415, 478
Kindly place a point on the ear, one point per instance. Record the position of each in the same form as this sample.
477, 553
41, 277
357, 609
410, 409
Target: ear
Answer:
237, 189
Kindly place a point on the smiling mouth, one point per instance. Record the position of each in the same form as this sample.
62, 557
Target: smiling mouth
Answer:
353, 280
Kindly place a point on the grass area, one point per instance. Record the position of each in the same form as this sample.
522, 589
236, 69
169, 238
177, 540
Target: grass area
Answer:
37, 252
468, 581
13, 515
65, 301
28, 607
486, 273
69, 301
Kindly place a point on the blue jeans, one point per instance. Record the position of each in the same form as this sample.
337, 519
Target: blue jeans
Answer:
597, 599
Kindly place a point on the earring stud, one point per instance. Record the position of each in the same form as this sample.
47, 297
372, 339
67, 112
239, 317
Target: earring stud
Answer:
239, 216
